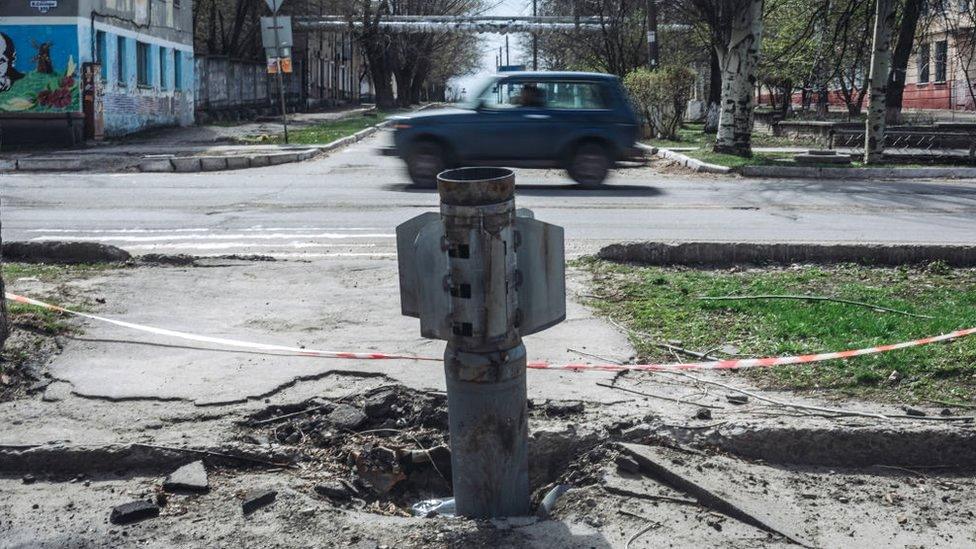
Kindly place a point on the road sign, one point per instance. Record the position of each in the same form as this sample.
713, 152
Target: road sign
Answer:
276, 32
274, 4
273, 65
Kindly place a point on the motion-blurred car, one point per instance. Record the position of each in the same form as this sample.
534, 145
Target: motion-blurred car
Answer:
582, 122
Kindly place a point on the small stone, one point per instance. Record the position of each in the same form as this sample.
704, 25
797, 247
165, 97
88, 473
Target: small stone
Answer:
378, 406
347, 417
256, 499
703, 413
333, 489
913, 411
133, 512
35, 506
293, 438
945, 412
28, 479
902, 519
737, 399
564, 408
894, 377
189, 478
627, 464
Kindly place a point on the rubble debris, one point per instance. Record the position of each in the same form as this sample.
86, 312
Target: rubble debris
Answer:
718, 492
256, 499
334, 490
913, 411
737, 399
548, 503
189, 478
63, 253
703, 413
28, 479
380, 404
894, 377
564, 408
347, 417
627, 464
379, 467
430, 508
135, 511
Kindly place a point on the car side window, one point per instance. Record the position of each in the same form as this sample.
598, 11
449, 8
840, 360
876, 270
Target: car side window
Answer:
514, 94
575, 95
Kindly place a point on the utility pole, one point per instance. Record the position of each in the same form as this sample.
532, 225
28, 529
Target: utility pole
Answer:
508, 60
535, 38
281, 81
652, 49
481, 276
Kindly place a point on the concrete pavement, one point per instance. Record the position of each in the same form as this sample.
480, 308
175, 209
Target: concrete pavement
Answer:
297, 210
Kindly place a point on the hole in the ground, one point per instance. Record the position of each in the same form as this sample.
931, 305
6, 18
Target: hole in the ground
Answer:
389, 447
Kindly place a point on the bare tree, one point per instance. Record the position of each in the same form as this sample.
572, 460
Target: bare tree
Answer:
910, 14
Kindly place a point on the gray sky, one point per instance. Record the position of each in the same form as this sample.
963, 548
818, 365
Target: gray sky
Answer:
491, 42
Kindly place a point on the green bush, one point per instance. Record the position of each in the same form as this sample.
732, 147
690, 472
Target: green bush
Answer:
662, 97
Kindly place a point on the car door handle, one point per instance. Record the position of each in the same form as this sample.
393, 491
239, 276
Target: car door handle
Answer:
538, 116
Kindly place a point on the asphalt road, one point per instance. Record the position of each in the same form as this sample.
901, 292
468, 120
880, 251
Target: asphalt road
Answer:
348, 204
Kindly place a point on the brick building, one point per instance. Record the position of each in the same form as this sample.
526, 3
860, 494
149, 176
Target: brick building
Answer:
942, 70
84, 68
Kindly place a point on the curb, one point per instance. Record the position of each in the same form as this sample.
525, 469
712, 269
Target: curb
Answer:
686, 161
725, 254
858, 173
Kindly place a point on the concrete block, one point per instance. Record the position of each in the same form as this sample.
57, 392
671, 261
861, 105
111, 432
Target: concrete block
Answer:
186, 164
259, 161
238, 162
49, 164
8, 165
155, 165
213, 163
282, 158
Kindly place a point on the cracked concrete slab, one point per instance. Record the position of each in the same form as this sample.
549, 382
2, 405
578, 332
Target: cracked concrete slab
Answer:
332, 305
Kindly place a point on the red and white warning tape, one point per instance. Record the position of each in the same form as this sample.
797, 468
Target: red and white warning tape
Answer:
755, 362
297, 351
716, 365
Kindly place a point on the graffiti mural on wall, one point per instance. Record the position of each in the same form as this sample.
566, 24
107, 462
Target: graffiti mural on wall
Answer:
38, 72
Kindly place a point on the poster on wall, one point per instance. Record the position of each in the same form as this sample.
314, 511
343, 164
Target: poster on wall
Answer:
38, 72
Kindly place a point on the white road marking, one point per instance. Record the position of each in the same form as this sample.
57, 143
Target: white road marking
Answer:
277, 236
232, 245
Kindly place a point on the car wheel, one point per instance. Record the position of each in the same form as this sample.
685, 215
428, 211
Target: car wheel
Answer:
425, 161
589, 165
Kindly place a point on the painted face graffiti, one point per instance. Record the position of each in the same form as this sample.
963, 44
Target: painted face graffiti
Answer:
8, 54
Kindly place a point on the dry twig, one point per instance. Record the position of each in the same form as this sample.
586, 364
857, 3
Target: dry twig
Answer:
661, 397
813, 298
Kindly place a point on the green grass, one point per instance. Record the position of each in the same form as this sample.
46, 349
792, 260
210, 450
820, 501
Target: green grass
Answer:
663, 303
43, 320
323, 133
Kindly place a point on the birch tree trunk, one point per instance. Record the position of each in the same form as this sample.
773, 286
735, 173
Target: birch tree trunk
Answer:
738, 60
874, 132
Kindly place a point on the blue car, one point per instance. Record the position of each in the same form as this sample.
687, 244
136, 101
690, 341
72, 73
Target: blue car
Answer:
582, 122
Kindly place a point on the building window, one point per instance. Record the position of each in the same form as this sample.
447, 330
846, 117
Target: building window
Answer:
120, 55
923, 63
163, 69
941, 60
101, 45
142, 64
177, 70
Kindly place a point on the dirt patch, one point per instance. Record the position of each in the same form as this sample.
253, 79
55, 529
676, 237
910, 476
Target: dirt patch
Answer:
65, 253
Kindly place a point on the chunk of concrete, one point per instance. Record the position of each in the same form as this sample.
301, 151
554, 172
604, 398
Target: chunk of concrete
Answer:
191, 478
49, 164
238, 163
347, 417
256, 499
133, 512
188, 164
213, 163
155, 165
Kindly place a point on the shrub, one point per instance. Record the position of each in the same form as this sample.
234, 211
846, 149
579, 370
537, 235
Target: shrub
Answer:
662, 97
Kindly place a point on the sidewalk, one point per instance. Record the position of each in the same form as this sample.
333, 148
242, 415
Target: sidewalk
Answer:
188, 149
